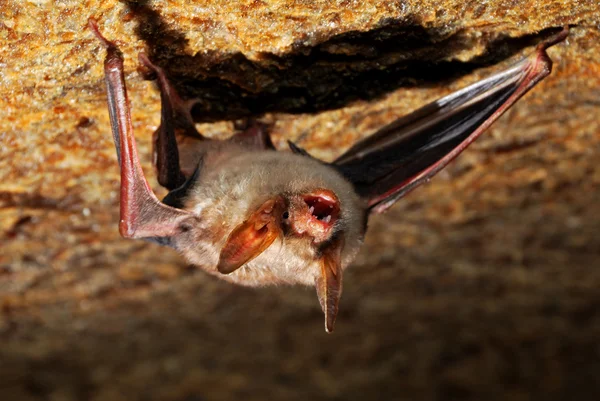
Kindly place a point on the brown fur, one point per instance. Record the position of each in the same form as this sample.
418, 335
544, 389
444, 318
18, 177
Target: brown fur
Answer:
234, 182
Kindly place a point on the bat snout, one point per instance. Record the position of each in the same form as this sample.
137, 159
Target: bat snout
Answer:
315, 214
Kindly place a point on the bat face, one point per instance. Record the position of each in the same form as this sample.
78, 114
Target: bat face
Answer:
243, 211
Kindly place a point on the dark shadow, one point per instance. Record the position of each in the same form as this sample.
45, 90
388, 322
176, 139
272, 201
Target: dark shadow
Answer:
347, 67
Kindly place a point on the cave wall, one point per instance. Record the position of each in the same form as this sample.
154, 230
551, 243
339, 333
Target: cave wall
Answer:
482, 284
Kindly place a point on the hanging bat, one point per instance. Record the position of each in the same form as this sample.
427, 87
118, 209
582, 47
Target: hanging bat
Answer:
245, 212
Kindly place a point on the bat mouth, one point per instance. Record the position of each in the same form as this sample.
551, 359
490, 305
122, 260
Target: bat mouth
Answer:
314, 214
323, 208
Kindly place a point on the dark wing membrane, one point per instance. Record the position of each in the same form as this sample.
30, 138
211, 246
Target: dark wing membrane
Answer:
409, 151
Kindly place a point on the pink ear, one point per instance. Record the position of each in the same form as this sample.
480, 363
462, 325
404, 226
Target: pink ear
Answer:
252, 237
329, 283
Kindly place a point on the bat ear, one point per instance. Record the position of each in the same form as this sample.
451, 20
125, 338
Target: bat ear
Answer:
329, 283
253, 236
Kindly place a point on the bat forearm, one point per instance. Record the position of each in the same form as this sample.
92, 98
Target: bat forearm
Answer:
142, 214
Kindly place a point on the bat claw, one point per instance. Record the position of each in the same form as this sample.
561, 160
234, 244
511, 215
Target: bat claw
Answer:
93, 26
554, 39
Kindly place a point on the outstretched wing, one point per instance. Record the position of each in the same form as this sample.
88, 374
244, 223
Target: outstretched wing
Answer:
409, 151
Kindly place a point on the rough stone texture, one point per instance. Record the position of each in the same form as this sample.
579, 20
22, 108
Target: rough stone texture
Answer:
482, 285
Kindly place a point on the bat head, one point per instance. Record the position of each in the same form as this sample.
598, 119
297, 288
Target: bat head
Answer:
274, 218
307, 220
308, 217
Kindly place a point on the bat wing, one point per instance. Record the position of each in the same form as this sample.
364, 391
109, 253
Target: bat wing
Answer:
412, 149
178, 148
142, 214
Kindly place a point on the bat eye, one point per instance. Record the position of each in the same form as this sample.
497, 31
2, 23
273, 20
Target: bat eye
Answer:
286, 215
185, 227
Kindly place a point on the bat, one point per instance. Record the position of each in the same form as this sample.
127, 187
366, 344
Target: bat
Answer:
243, 211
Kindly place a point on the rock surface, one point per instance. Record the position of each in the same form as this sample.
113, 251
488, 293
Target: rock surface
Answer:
482, 285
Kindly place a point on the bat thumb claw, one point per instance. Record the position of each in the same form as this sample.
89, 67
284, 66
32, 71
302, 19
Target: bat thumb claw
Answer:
93, 26
554, 39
